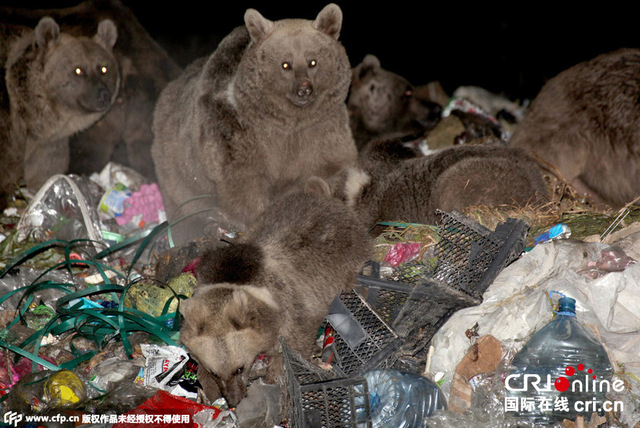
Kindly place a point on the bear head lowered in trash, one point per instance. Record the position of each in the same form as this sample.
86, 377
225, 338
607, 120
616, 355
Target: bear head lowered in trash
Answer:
264, 112
277, 280
385, 105
584, 122
55, 85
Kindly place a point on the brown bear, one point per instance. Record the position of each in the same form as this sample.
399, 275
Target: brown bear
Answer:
393, 183
278, 279
584, 122
385, 105
266, 110
55, 85
123, 134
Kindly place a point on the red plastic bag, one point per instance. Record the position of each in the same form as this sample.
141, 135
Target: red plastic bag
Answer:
164, 410
401, 253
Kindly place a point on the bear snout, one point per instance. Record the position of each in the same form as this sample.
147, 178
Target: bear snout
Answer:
303, 91
103, 99
97, 100
428, 113
233, 390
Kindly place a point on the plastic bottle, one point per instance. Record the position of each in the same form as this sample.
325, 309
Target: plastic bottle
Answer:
402, 400
570, 365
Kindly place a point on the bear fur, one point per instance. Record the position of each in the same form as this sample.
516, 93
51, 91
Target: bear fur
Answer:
584, 122
278, 280
55, 85
124, 134
265, 111
394, 183
384, 105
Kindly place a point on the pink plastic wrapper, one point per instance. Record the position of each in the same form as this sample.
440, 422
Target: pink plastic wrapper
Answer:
192, 266
11, 373
401, 253
146, 201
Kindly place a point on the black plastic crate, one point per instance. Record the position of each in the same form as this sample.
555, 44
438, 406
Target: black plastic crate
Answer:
323, 398
376, 345
469, 257
422, 308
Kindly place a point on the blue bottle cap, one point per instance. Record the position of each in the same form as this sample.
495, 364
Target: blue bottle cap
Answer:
567, 306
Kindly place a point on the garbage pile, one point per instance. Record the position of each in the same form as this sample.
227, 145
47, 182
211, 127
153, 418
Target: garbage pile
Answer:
87, 332
445, 327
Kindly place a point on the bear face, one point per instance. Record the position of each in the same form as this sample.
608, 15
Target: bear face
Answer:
384, 104
80, 74
57, 85
297, 60
225, 328
123, 135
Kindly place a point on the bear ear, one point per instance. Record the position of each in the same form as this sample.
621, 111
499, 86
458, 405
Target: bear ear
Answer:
107, 34
369, 64
371, 61
258, 26
329, 20
47, 31
239, 311
317, 186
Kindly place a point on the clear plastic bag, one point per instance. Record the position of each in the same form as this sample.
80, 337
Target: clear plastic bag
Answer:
63, 208
48, 390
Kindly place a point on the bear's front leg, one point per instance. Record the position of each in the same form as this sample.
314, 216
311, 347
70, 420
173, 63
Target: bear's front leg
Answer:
43, 160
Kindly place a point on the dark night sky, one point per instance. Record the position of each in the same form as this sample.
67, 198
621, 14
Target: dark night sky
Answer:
508, 49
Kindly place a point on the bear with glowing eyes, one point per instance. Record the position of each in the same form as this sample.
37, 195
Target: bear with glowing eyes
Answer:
54, 85
255, 119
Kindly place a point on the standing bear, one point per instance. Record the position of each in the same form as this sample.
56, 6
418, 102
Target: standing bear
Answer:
584, 122
54, 85
264, 112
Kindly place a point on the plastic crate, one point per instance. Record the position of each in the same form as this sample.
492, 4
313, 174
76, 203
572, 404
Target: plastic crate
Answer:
422, 308
323, 398
377, 342
469, 257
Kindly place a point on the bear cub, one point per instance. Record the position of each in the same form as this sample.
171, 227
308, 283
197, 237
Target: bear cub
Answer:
54, 85
277, 280
264, 112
